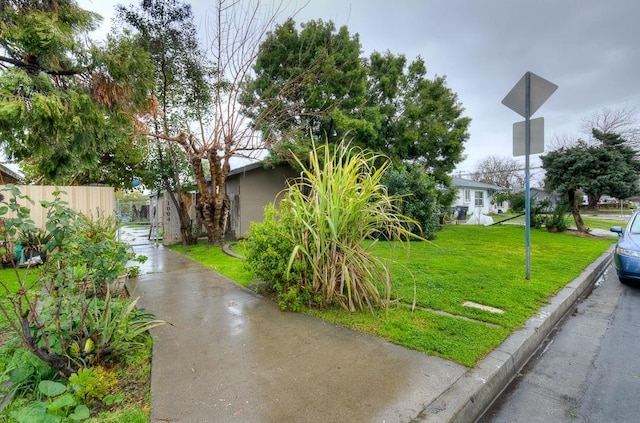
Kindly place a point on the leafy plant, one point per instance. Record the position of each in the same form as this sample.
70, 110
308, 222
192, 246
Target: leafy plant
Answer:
67, 316
557, 220
116, 326
418, 194
268, 248
337, 204
60, 406
24, 371
91, 384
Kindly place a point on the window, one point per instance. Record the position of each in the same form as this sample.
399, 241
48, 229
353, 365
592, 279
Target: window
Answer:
467, 196
479, 199
635, 226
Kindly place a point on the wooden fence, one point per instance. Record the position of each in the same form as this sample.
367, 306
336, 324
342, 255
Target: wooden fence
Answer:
93, 201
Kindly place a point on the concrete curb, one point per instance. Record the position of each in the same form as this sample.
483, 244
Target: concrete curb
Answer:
470, 395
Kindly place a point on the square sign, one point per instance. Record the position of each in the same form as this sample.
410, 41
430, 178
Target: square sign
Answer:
539, 91
536, 140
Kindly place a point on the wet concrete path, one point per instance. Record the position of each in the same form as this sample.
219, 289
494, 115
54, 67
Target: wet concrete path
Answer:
233, 356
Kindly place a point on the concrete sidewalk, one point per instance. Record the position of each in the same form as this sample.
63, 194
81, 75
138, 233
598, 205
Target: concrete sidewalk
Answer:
233, 356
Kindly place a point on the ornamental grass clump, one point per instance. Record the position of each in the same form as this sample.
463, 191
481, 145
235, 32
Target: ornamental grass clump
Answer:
339, 209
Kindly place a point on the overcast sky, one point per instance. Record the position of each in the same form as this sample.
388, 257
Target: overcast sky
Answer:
589, 48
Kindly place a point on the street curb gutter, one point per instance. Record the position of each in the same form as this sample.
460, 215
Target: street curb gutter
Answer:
469, 396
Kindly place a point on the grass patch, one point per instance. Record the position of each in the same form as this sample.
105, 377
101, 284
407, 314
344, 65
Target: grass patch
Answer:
10, 278
605, 223
591, 222
485, 265
214, 258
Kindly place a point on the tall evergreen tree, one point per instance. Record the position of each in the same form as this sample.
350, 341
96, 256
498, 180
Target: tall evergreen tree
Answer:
166, 30
382, 103
610, 168
67, 105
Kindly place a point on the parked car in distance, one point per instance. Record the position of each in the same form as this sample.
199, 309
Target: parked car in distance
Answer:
626, 256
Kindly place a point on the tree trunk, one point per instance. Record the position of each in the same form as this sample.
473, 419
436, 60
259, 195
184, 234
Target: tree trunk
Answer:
212, 205
593, 201
54, 361
186, 234
575, 211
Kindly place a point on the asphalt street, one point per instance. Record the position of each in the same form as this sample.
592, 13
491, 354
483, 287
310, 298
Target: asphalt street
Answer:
588, 370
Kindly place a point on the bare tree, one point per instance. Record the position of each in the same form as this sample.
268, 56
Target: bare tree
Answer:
501, 171
623, 121
221, 129
562, 140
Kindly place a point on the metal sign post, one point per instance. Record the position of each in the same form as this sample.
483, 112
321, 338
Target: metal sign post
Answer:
525, 98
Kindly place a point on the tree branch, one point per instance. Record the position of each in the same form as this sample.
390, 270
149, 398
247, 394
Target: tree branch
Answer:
34, 68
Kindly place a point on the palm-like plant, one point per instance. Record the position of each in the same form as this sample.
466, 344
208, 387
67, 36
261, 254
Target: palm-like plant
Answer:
340, 208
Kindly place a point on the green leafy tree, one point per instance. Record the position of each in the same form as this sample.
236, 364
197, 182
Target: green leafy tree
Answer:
418, 195
420, 119
67, 106
383, 103
606, 169
320, 70
166, 30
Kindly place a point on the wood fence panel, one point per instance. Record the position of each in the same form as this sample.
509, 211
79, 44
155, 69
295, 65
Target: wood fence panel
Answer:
90, 200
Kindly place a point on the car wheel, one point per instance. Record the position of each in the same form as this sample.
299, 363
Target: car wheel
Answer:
624, 280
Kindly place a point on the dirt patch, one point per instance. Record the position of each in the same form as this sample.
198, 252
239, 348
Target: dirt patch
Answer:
579, 234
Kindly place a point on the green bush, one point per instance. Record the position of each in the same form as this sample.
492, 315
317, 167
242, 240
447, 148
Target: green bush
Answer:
91, 384
557, 220
268, 248
67, 316
418, 197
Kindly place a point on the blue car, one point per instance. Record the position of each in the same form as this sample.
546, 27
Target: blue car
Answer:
626, 256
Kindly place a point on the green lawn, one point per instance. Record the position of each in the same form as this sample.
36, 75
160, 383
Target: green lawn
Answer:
216, 259
485, 265
605, 223
602, 221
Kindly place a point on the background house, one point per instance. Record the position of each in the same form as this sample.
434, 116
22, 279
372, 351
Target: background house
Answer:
540, 194
8, 176
250, 189
475, 197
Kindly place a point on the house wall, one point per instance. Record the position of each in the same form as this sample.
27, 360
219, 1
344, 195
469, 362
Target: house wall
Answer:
478, 201
164, 217
249, 192
93, 201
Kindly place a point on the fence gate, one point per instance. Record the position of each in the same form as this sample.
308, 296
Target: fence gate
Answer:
138, 220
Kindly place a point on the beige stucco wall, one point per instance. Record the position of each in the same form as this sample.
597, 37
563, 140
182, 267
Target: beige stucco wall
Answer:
250, 191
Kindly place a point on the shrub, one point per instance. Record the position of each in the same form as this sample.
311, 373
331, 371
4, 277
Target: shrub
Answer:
557, 221
91, 384
337, 205
268, 248
418, 195
67, 316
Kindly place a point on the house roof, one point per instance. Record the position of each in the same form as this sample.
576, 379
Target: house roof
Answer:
468, 183
6, 173
246, 168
